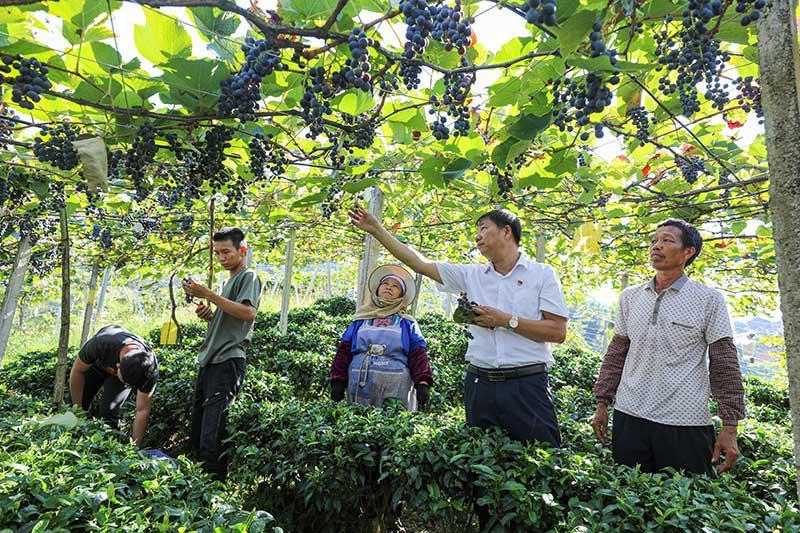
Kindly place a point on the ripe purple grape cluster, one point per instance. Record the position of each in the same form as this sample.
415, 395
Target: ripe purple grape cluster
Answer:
690, 167
29, 83
362, 132
749, 94
54, 146
419, 18
210, 163
333, 201
265, 160
439, 128
356, 71
451, 28
691, 57
642, 122
7, 124
140, 156
597, 47
575, 100
314, 104
753, 6
239, 94
102, 234
540, 12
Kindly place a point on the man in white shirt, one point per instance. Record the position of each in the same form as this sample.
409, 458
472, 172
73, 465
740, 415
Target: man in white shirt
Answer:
521, 311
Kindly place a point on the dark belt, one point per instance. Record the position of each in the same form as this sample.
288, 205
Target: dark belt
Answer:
503, 374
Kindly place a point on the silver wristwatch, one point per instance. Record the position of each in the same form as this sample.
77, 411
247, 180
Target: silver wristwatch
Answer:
513, 322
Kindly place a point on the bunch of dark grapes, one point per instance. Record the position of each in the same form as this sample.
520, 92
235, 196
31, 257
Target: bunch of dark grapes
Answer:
7, 124
333, 201
388, 84
102, 234
355, 73
419, 18
749, 95
451, 28
693, 57
44, 261
13, 186
504, 182
439, 128
690, 167
116, 164
641, 120
175, 145
314, 104
186, 221
239, 94
362, 132
234, 195
598, 47
753, 6
540, 12
265, 157
210, 163
139, 156
590, 95
581, 160
456, 92
54, 146
30, 82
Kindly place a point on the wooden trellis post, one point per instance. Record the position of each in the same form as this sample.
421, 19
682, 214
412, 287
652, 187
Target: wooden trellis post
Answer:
91, 294
624, 280
541, 248
63, 336
287, 283
101, 299
13, 291
371, 246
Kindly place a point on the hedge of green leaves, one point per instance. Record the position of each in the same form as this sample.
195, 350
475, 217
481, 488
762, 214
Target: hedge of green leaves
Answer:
75, 476
319, 466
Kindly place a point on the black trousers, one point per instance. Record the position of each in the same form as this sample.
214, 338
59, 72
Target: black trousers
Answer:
522, 406
114, 395
653, 446
216, 388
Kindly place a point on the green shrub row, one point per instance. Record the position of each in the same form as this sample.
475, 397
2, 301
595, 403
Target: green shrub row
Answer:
325, 467
76, 476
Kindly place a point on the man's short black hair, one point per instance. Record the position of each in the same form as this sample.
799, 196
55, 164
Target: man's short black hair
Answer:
230, 233
139, 368
689, 235
503, 218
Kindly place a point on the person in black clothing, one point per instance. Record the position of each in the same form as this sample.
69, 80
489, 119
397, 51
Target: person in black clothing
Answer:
117, 361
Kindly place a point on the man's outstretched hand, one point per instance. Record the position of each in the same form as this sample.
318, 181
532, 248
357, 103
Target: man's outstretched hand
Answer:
363, 220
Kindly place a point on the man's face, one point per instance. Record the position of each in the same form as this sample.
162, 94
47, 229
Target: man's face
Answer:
228, 255
490, 236
666, 249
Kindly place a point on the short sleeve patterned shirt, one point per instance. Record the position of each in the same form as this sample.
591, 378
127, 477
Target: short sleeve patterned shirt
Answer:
665, 378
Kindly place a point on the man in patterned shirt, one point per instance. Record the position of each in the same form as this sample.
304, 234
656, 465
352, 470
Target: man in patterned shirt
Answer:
655, 372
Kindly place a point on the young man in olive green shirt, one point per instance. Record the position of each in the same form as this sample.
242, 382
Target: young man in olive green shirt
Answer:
223, 353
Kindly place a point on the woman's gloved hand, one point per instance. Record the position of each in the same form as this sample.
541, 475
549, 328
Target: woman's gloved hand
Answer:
337, 390
423, 394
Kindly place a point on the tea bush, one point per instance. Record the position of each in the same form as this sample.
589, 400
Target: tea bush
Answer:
320, 466
75, 475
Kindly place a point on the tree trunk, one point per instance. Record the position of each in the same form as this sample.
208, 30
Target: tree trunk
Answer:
13, 290
90, 297
780, 96
101, 299
287, 283
173, 307
63, 336
20, 318
371, 247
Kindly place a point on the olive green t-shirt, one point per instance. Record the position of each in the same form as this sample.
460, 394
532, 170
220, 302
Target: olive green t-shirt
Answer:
228, 337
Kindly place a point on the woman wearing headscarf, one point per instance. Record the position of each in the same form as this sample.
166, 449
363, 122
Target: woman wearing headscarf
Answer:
382, 354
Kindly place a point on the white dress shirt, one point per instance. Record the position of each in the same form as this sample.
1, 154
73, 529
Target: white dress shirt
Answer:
527, 290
